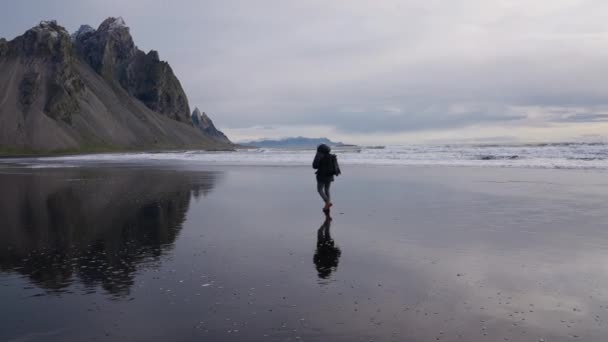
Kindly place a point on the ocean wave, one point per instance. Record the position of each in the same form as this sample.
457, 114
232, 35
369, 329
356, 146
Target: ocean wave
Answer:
557, 156
491, 157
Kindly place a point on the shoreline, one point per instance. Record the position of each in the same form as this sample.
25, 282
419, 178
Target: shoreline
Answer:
56, 161
63, 153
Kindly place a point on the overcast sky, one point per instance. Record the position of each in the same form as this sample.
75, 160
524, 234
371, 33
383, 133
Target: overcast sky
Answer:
371, 71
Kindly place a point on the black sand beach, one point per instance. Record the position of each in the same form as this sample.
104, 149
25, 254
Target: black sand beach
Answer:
167, 253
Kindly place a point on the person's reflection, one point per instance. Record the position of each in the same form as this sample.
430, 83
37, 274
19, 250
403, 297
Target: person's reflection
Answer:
327, 254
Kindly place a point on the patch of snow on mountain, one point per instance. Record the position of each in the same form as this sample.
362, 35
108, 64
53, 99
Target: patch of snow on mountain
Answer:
117, 24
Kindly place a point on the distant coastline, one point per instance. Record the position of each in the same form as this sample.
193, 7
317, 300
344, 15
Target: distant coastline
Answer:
294, 142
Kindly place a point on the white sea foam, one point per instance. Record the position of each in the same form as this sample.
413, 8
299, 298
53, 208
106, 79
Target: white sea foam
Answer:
566, 156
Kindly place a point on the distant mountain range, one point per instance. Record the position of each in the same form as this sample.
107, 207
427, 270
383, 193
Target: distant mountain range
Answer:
292, 142
93, 90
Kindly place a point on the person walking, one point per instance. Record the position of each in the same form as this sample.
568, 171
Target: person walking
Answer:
327, 167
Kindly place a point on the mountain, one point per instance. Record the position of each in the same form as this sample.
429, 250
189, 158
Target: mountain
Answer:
89, 91
204, 123
293, 142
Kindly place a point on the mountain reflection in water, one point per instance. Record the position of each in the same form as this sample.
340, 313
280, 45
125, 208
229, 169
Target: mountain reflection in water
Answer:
92, 227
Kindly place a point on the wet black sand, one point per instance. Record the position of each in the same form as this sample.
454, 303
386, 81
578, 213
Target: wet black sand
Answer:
138, 253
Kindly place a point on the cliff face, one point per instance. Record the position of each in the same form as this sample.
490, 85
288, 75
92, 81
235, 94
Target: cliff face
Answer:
111, 52
3, 47
50, 76
204, 123
93, 90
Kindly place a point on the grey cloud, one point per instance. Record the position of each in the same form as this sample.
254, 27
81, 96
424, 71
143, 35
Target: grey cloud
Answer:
410, 119
569, 113
365, 66
584, 117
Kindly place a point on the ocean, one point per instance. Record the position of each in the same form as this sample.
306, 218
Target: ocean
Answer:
543, 156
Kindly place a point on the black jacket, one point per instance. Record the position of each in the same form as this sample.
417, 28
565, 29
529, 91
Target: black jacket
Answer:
322, 163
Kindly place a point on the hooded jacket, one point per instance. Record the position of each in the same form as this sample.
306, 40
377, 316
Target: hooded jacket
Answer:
322, 164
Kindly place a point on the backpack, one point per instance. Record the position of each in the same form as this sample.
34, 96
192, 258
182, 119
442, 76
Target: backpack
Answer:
334, 167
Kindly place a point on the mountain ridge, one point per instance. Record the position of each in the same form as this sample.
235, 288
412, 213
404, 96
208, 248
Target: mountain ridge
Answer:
92, 90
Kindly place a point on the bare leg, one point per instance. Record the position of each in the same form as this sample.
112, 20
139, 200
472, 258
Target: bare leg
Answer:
321, 190
327, 186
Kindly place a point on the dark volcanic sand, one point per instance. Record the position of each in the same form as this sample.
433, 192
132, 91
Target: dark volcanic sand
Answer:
136, 253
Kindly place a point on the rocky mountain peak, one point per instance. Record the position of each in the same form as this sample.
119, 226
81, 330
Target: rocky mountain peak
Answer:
116, 30
202, 121
206, 120
108, 49
46, 39
153, 55
111, 52
49, 25
113, 24
196, 112
84, 29
47, 78
49, 29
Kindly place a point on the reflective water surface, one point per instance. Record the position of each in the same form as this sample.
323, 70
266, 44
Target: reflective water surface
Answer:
327, 254
91, 227
169, 252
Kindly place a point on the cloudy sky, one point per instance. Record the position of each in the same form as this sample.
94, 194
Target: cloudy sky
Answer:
372, 71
